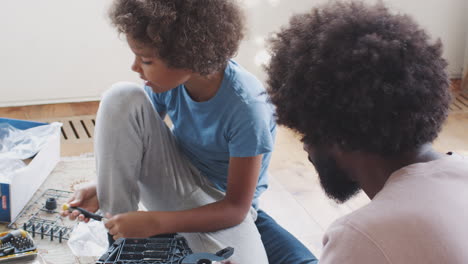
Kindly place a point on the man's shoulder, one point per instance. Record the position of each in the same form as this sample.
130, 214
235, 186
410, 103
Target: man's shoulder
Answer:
411, 208
362, 220
345, 242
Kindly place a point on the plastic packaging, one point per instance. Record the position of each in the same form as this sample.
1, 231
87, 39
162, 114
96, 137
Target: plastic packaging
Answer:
23, 144
7, 166
89, 239
17, 145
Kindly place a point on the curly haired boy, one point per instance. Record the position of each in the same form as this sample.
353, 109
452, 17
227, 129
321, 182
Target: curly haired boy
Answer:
203, 177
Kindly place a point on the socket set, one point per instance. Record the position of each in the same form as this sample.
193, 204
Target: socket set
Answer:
16, 244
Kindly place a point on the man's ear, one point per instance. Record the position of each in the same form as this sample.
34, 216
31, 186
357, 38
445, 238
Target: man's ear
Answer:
345, 159
337, 152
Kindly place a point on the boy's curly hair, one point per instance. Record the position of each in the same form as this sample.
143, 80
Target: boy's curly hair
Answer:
199, 35
358, 77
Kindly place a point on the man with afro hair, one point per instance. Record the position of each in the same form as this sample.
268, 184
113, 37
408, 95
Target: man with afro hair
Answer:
369, 93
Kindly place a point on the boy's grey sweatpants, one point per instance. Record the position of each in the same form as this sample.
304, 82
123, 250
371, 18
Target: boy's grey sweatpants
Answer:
138, 160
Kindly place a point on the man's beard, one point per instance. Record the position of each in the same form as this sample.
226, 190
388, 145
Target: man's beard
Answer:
337, 184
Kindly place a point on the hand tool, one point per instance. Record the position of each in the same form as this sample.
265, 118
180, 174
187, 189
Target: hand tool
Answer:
15, 233
16, 244
85, 212
208, 258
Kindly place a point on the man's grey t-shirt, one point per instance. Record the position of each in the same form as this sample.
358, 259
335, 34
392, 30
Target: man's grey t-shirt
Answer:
420, 216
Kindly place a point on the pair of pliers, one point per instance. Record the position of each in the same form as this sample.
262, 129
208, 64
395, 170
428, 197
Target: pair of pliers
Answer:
208, 258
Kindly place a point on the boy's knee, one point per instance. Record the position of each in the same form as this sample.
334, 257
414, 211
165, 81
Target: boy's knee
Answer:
123, 92
123, 95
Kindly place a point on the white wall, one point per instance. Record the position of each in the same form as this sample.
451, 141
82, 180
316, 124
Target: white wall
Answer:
63, 50
465, 65
58, 50
446, 20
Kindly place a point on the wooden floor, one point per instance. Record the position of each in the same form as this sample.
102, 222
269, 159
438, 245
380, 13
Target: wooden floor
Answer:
39, 112
57, 112
295, 198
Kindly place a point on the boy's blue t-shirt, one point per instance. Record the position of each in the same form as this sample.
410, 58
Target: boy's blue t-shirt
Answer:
237, 122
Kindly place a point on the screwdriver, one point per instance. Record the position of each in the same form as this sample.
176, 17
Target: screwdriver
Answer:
86, 213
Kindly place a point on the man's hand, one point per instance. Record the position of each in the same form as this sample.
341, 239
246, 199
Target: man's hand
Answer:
86, 198
137, 224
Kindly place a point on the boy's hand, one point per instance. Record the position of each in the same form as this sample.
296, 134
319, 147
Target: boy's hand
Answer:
86, 198
136, 224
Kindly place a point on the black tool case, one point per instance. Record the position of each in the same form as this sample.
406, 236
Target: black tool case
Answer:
167, 249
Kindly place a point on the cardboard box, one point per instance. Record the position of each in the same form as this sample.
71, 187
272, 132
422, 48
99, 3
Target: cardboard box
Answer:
25, 181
